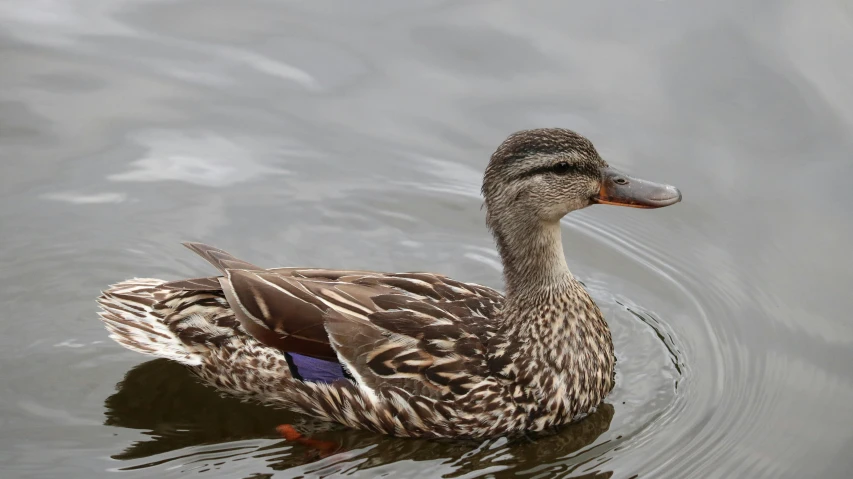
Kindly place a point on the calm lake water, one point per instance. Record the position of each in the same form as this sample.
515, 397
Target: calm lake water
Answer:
353, 135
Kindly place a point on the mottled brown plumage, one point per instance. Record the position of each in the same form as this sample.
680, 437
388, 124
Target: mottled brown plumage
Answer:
425, 355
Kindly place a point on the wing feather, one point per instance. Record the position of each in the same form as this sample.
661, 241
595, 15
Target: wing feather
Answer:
220, 259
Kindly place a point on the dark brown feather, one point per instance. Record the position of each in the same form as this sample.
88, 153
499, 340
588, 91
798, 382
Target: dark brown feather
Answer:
221, 260
268, 307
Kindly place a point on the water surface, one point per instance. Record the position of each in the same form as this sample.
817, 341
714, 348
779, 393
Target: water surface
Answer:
353, 135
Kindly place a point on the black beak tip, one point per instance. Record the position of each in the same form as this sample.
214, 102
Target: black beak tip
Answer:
670, 196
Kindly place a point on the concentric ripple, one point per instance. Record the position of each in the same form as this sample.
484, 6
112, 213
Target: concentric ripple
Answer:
185, 420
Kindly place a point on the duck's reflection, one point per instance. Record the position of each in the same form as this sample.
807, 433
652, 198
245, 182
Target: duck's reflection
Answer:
164, 399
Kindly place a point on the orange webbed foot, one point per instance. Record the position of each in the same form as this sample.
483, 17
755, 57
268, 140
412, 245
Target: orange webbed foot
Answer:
325, 448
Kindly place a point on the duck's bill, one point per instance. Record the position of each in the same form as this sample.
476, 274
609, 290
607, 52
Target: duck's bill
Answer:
620, 189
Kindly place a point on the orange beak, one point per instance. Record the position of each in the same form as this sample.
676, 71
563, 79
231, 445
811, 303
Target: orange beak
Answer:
622, 190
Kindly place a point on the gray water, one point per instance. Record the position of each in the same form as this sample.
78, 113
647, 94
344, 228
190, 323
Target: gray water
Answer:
353, 135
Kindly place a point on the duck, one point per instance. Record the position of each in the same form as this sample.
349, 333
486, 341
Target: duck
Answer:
410, 354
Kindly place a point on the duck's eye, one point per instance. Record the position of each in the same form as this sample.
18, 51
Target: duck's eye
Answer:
562, 168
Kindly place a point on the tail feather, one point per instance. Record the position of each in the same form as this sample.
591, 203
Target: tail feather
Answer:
130, 316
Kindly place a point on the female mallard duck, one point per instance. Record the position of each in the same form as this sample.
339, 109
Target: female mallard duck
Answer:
410, 354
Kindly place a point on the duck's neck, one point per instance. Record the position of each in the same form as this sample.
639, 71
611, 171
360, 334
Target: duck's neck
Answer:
533, 259
551, 333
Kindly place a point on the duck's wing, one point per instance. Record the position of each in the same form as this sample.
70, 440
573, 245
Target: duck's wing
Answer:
421, 332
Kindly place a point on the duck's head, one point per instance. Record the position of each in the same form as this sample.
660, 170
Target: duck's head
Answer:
546, 173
